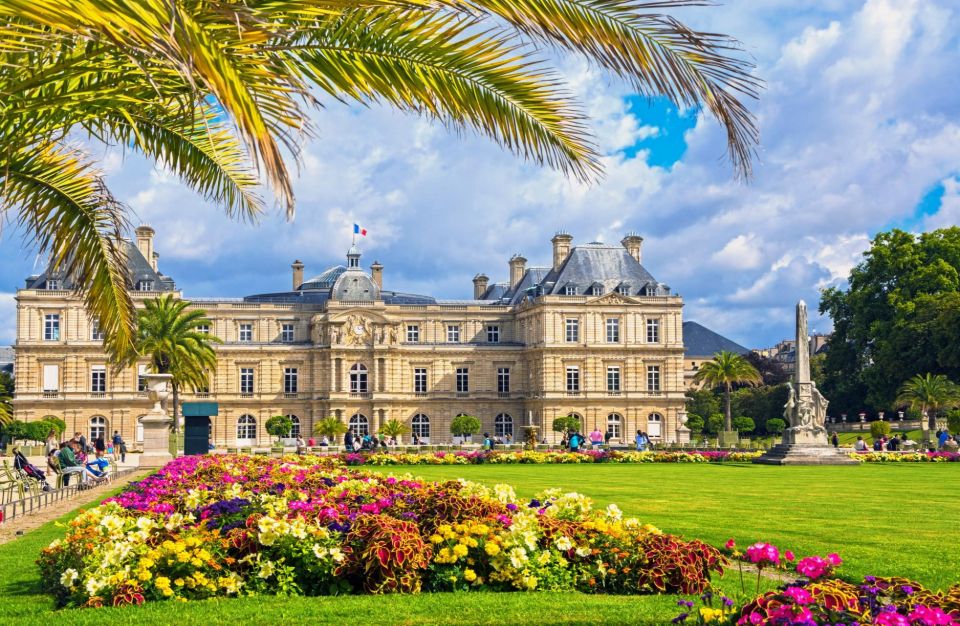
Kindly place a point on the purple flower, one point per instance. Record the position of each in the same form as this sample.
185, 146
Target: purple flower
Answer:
907, 589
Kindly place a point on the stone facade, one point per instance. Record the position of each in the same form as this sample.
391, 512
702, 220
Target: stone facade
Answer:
547, 344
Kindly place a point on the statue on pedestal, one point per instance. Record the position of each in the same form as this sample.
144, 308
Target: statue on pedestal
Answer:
156, 423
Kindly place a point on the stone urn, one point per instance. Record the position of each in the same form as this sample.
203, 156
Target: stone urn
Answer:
156, 423
530, 434
683, 432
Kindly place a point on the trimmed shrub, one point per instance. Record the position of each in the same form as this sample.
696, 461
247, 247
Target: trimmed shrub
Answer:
775, 426
743, 425
879, 429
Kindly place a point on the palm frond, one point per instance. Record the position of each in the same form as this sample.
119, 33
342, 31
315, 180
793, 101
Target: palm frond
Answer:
62, 201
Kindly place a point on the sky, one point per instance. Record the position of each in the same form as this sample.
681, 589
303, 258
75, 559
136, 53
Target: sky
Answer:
860, 124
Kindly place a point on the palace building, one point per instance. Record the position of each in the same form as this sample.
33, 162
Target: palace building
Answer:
594, 334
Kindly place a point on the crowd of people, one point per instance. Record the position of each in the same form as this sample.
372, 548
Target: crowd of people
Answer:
901, 442
78, 457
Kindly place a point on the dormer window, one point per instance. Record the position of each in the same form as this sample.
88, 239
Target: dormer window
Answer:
354, 262
144, 285
570, 290
596, 290
53, 284
623, 290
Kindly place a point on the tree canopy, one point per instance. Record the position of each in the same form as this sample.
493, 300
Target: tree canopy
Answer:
899, 317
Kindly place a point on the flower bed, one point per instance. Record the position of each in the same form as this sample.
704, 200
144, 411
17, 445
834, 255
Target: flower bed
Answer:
907, 457
478, 457
228, 525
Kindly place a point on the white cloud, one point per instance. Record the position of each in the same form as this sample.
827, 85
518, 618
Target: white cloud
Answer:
740, 253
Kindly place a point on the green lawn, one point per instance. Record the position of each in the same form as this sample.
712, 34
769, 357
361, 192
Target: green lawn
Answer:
881, 519
811, 510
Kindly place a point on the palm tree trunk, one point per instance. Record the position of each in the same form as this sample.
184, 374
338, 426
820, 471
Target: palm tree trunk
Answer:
932, 419
176, 407
728, 418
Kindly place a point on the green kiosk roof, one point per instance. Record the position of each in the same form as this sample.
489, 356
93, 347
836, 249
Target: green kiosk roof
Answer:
199, 409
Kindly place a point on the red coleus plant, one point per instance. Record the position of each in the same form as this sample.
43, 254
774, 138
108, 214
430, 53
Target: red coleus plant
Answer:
387, 553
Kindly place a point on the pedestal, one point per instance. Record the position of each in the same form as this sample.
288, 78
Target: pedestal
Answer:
530, 436
156, 440
728, 438
805, 454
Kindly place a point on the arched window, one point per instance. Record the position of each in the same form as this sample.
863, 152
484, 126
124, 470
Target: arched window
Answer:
358, 378
614, 422
295, 428
420, 425
246, 430
359, 424
98, 427
654, 425
579, 419
502, 425
139, 433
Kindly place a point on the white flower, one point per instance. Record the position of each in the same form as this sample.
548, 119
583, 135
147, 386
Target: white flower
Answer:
145, 523
112, 523
267, 569
583, 551
318, 551
531, 540
504, 494
614, 512
563, 543
337, 555
518, 557
69, 578
93, 586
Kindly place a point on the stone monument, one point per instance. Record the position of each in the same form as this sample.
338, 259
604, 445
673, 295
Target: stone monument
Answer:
156, 423
805, 439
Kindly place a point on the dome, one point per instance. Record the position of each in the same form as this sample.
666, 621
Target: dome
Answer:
354, 285
324, 280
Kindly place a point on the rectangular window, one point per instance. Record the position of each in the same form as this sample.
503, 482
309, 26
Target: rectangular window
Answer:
463, 380
95, 333
573, 379
453, 333
573, 329
420, 380
286, 333
51, 378
289, 380
493, 334
144, 285
141, 377
653, 378
570, 290
613, 330
613, 378
53, 284
653, 331
246, 332
413, 333
246, 380
98, 378
503, 380
203, 329
51, 327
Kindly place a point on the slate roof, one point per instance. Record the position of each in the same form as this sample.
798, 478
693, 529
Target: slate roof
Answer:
698, 340
604, 267
138, 269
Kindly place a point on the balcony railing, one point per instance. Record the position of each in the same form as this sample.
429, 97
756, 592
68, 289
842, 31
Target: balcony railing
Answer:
463, 394
503, 394
572, 393
611, 392
202, 394
361, 394
98, 394
51, 394
420, 394
291, 395
246, 394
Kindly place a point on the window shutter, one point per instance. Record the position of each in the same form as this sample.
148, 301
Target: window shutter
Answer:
51, 377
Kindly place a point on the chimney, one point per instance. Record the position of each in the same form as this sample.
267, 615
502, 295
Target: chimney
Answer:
518, 265
376, 273
155, 261
479, 285
632, 243
145, 242
297, 268
561, 248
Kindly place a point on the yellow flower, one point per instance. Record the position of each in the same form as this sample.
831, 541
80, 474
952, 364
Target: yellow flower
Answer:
162, 582
492, 549
436, 539
144, 575
178, 582
469, 575
709, 615
460, 550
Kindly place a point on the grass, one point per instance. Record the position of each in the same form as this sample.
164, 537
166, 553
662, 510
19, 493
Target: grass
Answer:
812, 510
889, 519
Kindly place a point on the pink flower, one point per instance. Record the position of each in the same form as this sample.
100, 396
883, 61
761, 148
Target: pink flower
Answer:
834, 558
761, 553
730, 545
926, 616
798, 595
788, 555
889, 618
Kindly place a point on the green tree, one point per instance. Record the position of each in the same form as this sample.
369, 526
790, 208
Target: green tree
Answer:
714, 424
464, 426
879, 429
702, 402
760, 403
394, 428
279, 426
695, 423
898, 318
727, 369
775, 426
331, 427
953, 421
6, 398
743, 425
168, 334
770, 370
566, 424
929, 394
220, 92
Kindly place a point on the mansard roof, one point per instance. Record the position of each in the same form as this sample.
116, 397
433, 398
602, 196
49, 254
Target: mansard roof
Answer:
698, 340
138, 269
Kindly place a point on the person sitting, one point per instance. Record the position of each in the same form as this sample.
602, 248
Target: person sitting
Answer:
69, 463
98, 466
894, 444
301, 445
324, 442
860, 445
23, 465
878, 445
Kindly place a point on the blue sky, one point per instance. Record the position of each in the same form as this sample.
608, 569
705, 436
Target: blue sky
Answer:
860, 126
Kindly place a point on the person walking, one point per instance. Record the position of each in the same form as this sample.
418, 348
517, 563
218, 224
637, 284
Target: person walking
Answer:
576, 441
52, 444
348, 440
596, 438
116, 441
638, 440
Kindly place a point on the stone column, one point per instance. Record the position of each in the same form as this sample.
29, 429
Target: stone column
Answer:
156, 423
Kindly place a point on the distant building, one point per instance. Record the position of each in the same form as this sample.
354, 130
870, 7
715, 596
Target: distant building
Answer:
593, 334
785, 352
701, 344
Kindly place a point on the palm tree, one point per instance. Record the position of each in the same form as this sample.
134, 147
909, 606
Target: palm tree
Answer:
168, 335
331, 427
928, 394
728, 369
6, 408
394, 428
220, 91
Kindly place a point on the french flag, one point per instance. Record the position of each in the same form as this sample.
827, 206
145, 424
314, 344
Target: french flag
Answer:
359, 231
